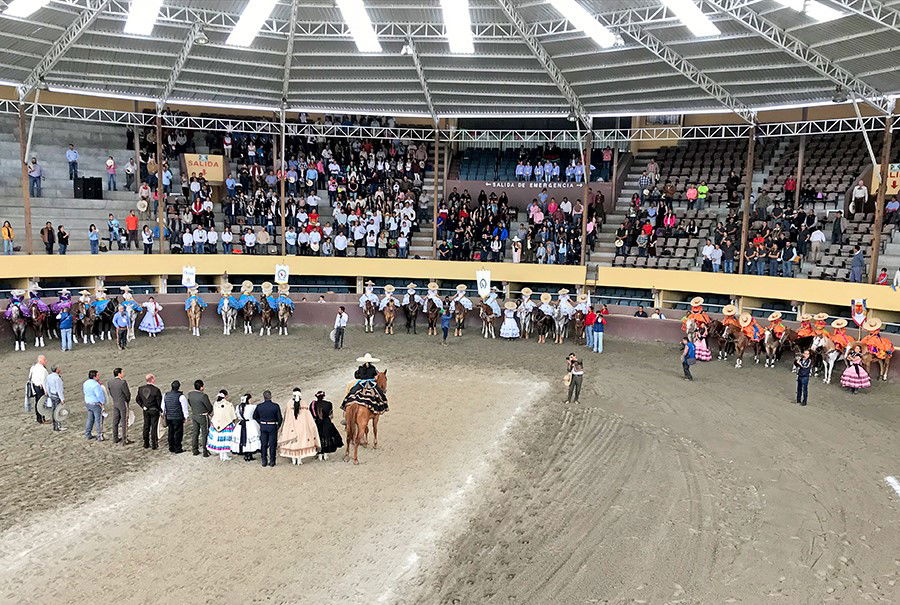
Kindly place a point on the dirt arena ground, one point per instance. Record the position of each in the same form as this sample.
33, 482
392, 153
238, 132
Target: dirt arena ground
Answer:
486, 488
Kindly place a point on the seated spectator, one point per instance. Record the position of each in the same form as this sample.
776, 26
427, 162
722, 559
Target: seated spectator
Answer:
640, 312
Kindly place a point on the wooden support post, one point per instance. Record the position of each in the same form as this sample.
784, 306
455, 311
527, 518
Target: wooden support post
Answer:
801, 161
437, 144
615, 173
160, 194
588, 142
879, 197
282, 178
26, 190
745, 218
136, 135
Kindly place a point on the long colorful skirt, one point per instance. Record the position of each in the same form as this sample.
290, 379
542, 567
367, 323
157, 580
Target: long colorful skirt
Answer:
702, 351
220, 441
855, 377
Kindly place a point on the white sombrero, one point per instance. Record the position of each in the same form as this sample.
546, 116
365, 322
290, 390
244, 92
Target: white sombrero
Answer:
729, 310
839, 323
367, 358
266, 287
194, 291
546, 297
821, 316
582, 298
526, 292
872, 324
226, 288
745, 319
411, 286
461, 288
284, 288
64, 292
563, 292
142, 205
432, 285
775, 315
697, 301
22, 292
389, 288
370, 283
510, 305
247, 286
82, 292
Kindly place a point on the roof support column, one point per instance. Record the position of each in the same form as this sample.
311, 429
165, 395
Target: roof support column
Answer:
745, 217
879, 198
26, 191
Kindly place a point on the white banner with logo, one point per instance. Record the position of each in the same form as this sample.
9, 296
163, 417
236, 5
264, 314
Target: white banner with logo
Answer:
483, 279
188, 276
282, 273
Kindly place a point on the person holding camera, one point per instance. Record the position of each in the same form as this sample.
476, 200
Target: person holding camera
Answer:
574, 377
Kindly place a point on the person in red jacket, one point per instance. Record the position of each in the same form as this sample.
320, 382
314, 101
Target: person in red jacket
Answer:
589, 320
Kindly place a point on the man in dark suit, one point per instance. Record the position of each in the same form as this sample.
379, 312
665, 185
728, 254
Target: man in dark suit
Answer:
268, 415
149, 397
121, 396
200, 408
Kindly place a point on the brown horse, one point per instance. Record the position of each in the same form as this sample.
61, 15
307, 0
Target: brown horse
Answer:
83, 318
578, 320
741, 344
194, 312
884, 365
459, 319
369, 315
357, 417
434, 313
411, 312
247, 312
284, 315
266, 313
38, 323
390, 312
19, 324
544, 325
487, 320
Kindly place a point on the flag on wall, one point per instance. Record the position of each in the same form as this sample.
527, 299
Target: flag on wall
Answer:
858, 310
188, 276
483, 279
282, 273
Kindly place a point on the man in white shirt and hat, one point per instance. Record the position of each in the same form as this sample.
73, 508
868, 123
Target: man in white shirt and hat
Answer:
36, 387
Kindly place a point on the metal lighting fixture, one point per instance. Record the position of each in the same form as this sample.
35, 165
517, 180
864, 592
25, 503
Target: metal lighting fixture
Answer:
361, 28
813, 9
201, 38
581, 19
24, 8
458, 22
251, 21
840, 95
692, 17
142, 17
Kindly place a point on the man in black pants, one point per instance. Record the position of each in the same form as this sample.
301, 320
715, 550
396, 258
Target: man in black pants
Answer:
149, 398
175, 406
340, 324
200, 408
804, 367
268, 415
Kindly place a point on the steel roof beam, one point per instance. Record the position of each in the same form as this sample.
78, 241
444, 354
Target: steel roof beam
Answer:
794, 46
546, 62
62, 45
420, 72
873, 10
289, 54
180, 60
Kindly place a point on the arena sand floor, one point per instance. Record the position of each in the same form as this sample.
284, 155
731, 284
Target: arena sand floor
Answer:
485, 487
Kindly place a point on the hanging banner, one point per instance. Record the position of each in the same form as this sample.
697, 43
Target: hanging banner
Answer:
858, 311
188, 276
893, 179
282, 273
210, 167
483, 279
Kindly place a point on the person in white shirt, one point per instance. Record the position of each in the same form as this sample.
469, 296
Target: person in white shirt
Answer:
371, 240
312, 200
860, 196
227, 239
249, 242
716, 258
130, 170
657, 314
187, 242
340, 245
707, 253
566, 206
199, 240
303, 242
817, 245
212, 240
36, 388
402, 247
340, 324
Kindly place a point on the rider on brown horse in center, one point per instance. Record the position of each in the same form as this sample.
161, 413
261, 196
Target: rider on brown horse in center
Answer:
365, 390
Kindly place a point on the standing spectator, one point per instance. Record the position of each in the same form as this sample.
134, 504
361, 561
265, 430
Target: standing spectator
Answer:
790, 190
688, 357
653, 170
575, 369
268, 415
110, 174
644, 184
200, 407
112, 223
227, 239
187, 241
599, 328
731, 185
857, 265
64, 319
817, 245
803, 367
48, 236
62, 239
55, 395
9, 238
130, 171
702, 194
858, 198
94, 400
147, 240
838, 227
131, 229
121, 397
249, 241
212, 240
37, 379
72, 159
120, 323
716, 258
657, 314
340, 325
707, 262
149, 398
589, 318
94, 239
35, 174
175, 407
445, 323
788, 256
690, 194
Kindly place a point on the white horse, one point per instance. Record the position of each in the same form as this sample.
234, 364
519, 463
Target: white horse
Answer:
525, 321
131, 314
229, 315
560, 325
828, 353
284, 314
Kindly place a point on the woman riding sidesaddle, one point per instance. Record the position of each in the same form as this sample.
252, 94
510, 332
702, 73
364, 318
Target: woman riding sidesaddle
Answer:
365, 391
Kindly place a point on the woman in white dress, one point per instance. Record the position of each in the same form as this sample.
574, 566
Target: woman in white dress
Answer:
221, 427
509, 329
152, 322
245, 438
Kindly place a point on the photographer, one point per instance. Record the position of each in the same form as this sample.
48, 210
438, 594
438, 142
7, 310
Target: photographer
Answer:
574, 377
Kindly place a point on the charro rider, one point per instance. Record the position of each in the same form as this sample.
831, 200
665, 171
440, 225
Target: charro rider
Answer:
388, 297
64, 302
696, 313
879, 346
526, 305
17, 299
730, 319
805, 330
267, 288
565, 305
85, 297
284, 297
411, 295
225, 291
194, 295
460, 298
246, 297
491, 301
434, 296
546, 304
750, 327
365, 390
368, 295
584, 303
128, 301
34, 297
100, 300
775, 326
839, 337
820, 324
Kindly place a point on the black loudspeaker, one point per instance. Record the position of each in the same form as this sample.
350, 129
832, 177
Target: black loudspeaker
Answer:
79, 187
93, 188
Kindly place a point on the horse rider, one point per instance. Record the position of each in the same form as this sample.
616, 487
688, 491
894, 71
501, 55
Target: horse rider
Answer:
368, 295
17, 299
696, 313
526, 305
820, 324
775, 326
730, 319
85, 297
267, 289
194, 295
839, 337
583, 303
365, 379
64, 302
565, 305
491, 301
434, 296
246, 295
805, 330
284, 297
879, 346
34, 297
461, 299
750, 327
128, 301
388, 297
100, 300
225, 291
411, 296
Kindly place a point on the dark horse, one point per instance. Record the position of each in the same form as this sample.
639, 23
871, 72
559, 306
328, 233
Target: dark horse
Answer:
104, 321
544, 325
411, 310
83, 319
18, 323
434, 313
39, 321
